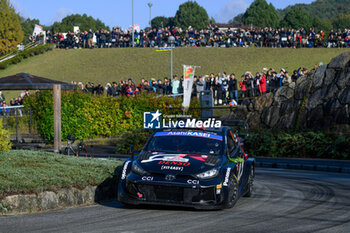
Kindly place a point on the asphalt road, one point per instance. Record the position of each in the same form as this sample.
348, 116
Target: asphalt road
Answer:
283, 201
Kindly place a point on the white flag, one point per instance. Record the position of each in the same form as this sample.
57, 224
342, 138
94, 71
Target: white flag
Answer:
188, 83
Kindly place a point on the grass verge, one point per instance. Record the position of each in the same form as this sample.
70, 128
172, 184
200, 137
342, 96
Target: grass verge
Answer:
106, 65
32, 172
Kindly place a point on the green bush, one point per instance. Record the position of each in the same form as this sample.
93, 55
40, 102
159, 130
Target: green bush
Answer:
5, 143
302, 144
88, 116
25, 54
137, 138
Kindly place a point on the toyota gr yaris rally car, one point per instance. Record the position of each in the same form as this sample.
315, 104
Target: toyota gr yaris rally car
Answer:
188, 167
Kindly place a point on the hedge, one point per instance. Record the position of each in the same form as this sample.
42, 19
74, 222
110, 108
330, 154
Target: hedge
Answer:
25, 54
307, 144
5, 143
87, 116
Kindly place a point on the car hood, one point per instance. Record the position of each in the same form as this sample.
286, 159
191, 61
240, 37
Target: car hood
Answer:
158, 162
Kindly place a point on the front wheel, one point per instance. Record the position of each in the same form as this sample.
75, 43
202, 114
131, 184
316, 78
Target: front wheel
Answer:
232, 193
250, 183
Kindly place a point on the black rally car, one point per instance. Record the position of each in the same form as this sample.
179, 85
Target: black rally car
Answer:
201, 168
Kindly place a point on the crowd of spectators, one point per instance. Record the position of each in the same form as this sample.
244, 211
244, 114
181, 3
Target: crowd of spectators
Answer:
226, 89
4, 107
212, 36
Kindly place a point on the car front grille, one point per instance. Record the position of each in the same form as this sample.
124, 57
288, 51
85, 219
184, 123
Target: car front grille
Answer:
163, 193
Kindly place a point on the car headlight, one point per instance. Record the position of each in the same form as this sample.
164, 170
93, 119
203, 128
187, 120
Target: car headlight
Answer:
208, 174
138, 170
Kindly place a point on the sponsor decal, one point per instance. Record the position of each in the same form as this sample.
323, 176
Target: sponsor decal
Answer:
173, 168
174, 163
200, 158
227, 176
186, 133
240, 170
124, 169
192, 181
151, 120
147, 178
170, 157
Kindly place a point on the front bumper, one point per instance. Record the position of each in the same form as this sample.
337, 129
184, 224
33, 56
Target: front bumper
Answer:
198, 196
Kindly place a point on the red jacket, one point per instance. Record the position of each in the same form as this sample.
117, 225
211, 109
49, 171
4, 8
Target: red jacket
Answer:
263, 84
242, 86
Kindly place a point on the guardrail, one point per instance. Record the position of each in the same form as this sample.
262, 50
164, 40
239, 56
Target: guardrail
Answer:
15, 53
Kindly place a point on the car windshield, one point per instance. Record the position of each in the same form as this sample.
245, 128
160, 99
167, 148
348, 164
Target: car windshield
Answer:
186, 143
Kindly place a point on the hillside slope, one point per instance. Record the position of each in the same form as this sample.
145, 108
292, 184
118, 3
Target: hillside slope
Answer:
106, 65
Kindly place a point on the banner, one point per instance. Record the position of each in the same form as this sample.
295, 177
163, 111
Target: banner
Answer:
188, 83
38, 30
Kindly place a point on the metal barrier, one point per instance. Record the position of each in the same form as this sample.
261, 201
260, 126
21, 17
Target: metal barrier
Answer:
21, 115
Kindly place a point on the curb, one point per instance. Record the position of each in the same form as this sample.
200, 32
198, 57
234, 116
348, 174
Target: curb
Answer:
337, 166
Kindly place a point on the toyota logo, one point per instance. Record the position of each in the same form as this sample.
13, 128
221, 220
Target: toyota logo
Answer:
169, 177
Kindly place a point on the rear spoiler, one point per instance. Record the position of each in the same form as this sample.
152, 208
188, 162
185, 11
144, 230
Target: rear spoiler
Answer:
240, 127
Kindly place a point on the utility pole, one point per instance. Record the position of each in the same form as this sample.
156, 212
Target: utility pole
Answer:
150, 4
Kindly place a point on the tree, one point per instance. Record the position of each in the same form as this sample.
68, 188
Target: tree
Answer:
261, 14
162, 21
28, 28
83, 21
341, 22
297, 18
191, 14
236, 20
11, 33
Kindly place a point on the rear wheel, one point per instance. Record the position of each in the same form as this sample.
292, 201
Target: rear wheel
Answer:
66, 151
232, 192
250, 182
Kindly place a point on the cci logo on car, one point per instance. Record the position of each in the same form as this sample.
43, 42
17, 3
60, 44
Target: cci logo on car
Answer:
151, 120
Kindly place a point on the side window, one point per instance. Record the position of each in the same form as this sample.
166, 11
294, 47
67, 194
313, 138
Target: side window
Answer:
230, 143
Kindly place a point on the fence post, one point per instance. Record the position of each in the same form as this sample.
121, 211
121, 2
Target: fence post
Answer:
16, 125
57, 117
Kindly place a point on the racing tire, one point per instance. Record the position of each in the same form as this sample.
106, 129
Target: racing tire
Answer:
232, 196
250, 183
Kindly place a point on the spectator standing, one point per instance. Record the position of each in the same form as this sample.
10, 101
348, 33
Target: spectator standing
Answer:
200, 86
262, 84
224, 83
232, 86
175, 85
2, 97
243, 86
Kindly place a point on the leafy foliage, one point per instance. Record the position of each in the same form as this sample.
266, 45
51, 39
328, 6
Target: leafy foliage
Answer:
297, 18
162, 21
261, 14
191, 14
325, 9
87, 116
84, 22
11, 33
5, 143
303, 144
25, 54
137, 138
237, 19
32, 171
342, 21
